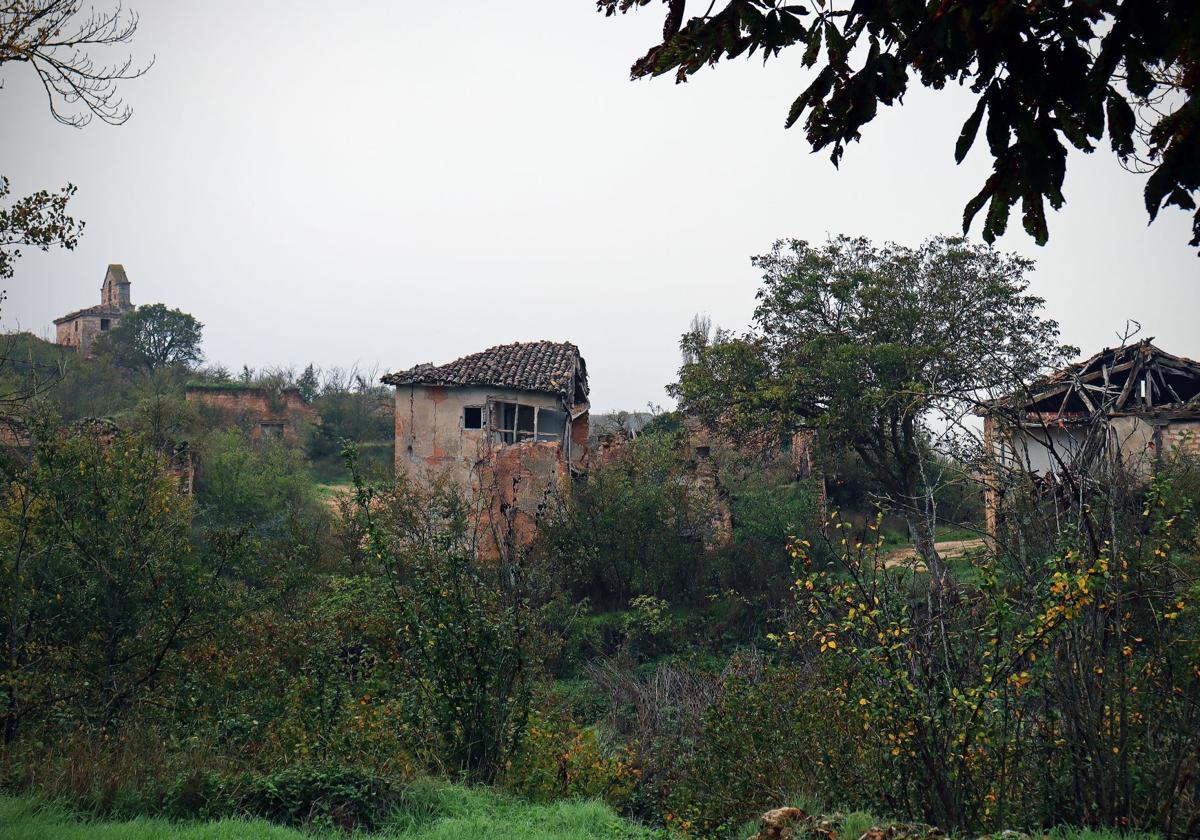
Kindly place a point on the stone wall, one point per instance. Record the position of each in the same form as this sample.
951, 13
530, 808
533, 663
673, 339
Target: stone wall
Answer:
82, 332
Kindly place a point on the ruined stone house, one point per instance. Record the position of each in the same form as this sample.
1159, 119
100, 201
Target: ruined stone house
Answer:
1123, 407
260, 412
81, 328
507, 426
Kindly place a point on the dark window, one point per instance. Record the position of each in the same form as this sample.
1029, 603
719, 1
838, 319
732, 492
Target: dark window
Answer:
473, 417
104, 324
551, 424
525, 428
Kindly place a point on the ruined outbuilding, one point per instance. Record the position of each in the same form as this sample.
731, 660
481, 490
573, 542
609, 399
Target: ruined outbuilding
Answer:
81, 328
1123, 407
260, 412
507, 426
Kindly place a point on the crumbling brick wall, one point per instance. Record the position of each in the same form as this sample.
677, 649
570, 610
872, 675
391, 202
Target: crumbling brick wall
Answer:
259, 411
1182, 436
518, 485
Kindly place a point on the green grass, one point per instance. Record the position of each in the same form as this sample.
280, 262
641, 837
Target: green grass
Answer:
435, 812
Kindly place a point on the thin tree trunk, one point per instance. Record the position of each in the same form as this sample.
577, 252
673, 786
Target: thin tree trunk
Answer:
920, 528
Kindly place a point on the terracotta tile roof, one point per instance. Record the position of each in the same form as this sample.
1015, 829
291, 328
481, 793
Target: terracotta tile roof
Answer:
98, 311
545, 366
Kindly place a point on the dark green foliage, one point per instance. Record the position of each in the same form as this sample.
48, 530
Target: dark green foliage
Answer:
469, 627
314, 796
341, 798
634, 526
767, 737
867, 345
260, 483
766, 517
153, 337
102, 585
74, 387
356, 410
353, 416
1047, 76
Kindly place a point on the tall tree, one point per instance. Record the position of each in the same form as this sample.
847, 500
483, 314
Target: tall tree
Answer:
874, 345
155, 337
1048, 74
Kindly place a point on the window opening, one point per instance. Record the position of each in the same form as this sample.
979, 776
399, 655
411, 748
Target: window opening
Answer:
515, 422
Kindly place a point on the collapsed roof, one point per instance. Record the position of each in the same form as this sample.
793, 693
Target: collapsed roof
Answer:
544, 366
1134, 379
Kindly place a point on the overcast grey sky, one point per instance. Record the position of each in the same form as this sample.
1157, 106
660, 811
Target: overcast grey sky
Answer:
398, 182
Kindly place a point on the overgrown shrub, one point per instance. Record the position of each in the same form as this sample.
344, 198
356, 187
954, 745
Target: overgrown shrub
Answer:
343, 798
263, 484
557, 759
634, 526
767, 514
1060, 688
102, 587
767, 737
469, 629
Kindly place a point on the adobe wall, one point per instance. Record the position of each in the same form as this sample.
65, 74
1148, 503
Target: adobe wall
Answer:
511, 485
251, 408
432, 445
1139, 441
518, 484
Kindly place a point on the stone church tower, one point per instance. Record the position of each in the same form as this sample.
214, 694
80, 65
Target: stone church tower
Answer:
115, 290
81, 328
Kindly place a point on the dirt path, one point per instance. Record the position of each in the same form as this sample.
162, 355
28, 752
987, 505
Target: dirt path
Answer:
947, 549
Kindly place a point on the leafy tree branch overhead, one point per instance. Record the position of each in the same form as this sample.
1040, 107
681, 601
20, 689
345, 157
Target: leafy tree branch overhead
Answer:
39, 220
1047, 75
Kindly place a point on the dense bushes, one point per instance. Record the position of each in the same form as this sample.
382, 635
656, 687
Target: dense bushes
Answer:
252, 660
634, 526
260, 483
102, 586
1064, 688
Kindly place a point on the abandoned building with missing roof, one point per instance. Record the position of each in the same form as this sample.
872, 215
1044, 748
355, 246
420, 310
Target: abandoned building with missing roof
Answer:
507, 426
258, 411
1123, 408
81, 328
